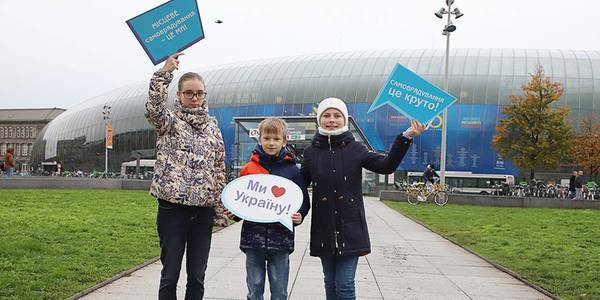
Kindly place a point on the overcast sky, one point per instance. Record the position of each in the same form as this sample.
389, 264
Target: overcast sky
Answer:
59, 53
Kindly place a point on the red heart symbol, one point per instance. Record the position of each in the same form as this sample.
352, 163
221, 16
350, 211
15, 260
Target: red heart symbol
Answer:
277, 191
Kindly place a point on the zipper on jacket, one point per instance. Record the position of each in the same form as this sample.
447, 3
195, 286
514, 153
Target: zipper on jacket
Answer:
329, 141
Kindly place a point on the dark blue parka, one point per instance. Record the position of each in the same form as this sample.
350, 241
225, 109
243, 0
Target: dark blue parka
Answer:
272, 236
334, 166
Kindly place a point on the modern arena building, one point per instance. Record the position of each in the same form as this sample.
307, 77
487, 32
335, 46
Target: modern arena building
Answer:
481, 79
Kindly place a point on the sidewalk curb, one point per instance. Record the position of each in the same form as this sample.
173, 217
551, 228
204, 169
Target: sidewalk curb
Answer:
497, 266
121, 275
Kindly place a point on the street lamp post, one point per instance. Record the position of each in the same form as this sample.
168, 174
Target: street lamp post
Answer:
106, 118
448, 28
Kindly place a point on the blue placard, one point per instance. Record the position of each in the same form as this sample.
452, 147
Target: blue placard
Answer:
412, 96
168, 28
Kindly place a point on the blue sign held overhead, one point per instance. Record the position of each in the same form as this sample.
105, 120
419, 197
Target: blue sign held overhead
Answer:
168, 28
412, 96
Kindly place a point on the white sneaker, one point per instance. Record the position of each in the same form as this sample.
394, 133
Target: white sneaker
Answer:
421, 198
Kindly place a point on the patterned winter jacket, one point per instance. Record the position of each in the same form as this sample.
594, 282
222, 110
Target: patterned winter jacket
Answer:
190, 167
272, 236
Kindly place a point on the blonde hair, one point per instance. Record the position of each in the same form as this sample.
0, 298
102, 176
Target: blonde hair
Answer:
189, 76
273, 126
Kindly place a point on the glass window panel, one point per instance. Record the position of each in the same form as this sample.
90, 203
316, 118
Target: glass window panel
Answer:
507, 65
585, 68
571, 93
546, 63
544, 53
483, 62
558, 67
586, 89
572, 69
471, 63
424, 64
413, 57
492, 87
495, 52
467, 91
437, 65
457, 66
596, 101
495, 65
375, 84
504, 90
460, 51
367, 66
520, 66
380, 66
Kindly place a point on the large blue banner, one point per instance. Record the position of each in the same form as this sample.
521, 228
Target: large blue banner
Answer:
168, 28
470, 131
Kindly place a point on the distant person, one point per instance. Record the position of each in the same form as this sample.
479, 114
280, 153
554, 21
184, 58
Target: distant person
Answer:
9, 162
268, 245
572, 190
429, 176
579, 186
188, 179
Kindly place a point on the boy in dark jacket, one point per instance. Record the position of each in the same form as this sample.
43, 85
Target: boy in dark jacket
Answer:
268, 246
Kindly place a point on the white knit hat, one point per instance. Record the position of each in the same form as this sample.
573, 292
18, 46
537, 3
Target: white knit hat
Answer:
332, 103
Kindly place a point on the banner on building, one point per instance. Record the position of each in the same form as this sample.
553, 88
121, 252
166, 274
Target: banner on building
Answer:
109, 136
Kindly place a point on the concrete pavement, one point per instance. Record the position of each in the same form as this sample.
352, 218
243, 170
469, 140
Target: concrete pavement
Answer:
407, 262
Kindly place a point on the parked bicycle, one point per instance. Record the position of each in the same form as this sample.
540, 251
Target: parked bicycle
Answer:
419, 192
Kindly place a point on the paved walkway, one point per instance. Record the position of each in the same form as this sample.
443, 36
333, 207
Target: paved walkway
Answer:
407, 262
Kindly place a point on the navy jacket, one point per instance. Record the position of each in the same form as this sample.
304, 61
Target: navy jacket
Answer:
272, 236
334, 166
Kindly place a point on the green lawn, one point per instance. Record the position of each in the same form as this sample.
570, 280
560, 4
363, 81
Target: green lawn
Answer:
557, 249
55, 243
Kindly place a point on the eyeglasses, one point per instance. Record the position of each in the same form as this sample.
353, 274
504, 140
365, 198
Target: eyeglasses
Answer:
190, 94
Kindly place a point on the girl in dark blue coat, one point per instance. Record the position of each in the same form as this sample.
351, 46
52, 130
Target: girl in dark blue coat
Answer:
333, 163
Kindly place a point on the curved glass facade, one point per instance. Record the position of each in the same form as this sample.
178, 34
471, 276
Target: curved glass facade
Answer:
482, 80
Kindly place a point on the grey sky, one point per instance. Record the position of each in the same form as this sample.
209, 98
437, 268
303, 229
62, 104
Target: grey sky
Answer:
62, 52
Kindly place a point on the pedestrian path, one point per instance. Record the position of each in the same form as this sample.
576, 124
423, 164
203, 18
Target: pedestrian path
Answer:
407, 262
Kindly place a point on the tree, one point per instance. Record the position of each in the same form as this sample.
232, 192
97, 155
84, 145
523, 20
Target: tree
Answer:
534, 135
585, 146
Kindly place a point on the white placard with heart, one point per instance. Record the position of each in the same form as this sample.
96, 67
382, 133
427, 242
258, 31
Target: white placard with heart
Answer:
263, 198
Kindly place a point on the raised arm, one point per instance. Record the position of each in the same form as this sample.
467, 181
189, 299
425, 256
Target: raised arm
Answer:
156, 112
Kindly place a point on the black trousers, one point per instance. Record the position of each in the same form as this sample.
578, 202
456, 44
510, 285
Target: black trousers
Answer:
180, 226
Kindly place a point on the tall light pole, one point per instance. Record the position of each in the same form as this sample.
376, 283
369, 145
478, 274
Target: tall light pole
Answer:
106, 118
448, 29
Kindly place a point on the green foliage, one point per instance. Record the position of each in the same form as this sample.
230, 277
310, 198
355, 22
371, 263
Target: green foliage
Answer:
557, 249
534, 135
55, 243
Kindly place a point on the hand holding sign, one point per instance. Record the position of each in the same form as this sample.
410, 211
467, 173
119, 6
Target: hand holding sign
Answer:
264, 199
415, 129
172, 63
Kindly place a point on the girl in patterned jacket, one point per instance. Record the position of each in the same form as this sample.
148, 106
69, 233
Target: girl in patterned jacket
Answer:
189, 176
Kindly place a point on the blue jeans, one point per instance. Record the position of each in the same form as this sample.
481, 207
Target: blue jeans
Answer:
10, 172
339, 273
278, 268
180, 226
